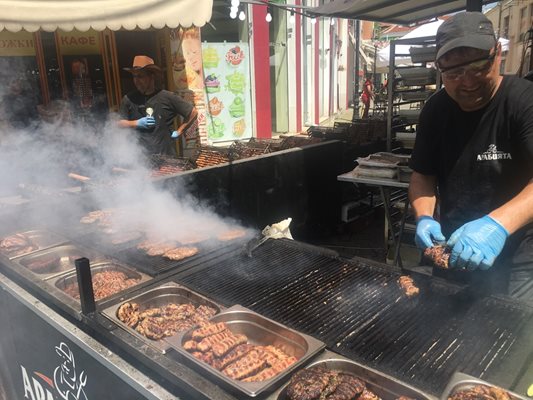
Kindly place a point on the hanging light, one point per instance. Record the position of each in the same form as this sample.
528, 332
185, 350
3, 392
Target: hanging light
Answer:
235, 3
332, 22
242, 15
268, 17
233, 13
291, 17
313, 20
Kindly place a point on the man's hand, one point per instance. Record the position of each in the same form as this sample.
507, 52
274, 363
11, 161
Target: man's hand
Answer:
146, 122
427, 231
477, 244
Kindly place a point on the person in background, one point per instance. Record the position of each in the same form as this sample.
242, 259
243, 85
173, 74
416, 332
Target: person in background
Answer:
473, 162
367, 95
150, 111
19, 105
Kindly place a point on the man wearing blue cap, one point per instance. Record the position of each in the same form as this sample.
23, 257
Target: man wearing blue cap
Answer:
473, 161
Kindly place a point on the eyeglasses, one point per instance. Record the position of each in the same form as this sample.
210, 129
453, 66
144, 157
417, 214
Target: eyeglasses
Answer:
476, 68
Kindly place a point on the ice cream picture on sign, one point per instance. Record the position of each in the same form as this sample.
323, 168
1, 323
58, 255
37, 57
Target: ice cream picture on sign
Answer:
212, 84
236, 83
215, 106
216, 129
210, 57
239, 127
234, 56
236, 109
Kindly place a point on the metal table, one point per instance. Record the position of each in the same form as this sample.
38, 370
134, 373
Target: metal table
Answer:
384, 185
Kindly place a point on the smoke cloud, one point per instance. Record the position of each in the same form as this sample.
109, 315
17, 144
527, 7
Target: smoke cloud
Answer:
38, 162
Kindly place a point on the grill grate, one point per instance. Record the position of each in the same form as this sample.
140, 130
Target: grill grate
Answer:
358, 311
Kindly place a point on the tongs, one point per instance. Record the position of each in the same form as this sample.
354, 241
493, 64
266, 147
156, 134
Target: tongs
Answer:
274, 231
254, 244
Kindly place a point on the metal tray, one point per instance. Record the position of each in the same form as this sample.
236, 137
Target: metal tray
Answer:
386, 387
460, 381
168, 293
41, 238
61, 259
260, 331
62, 281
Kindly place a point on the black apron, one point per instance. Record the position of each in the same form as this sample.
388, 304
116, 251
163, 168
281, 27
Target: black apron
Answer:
478, 184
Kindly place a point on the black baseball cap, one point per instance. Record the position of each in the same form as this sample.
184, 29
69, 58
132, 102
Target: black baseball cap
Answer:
466, 29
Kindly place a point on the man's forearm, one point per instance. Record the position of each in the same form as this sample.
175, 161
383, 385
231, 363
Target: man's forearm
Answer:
517, 212
422, 194
187, 122
124, 123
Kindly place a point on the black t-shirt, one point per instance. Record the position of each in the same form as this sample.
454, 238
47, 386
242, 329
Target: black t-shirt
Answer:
166, 106
484, 157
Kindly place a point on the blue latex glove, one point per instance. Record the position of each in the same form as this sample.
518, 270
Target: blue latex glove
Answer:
428, 231
477, 244
146, 122
175, 135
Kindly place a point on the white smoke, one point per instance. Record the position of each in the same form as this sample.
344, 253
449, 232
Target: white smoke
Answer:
36, 163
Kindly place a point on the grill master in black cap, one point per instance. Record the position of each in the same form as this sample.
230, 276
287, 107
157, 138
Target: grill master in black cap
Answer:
466, 29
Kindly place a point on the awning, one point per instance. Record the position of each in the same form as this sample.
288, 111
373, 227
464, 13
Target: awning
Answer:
82, 15
401, 12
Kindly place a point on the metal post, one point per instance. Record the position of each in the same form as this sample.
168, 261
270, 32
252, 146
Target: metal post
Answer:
474, 5
390, 95
356, 67
85, 285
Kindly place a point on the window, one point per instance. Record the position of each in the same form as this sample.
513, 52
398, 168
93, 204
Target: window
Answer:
505, 31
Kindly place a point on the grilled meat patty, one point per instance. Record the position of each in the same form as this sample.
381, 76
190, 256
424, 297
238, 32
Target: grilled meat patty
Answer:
407, 284
481, 392
180, 253
105, 284
46, 264
308, 384
321, 383
159, 322
16, 245
231, 235
438, 255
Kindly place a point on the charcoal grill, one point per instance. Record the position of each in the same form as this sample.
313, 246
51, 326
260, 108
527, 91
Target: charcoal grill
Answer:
357, 309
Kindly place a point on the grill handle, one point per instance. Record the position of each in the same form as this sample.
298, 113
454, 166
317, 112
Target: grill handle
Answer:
85, 285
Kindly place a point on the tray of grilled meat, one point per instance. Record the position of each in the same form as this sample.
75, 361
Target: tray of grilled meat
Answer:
247, 351
466, 387
109, 277
56, 260
162, 312
22, 243
331, 375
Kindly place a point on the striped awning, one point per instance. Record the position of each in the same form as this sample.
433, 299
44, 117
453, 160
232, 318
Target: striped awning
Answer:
82, 15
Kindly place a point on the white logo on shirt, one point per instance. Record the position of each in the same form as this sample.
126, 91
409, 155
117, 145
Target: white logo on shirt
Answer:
492, 153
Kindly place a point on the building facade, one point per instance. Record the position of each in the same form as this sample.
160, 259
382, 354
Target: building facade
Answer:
513, 20
293, 73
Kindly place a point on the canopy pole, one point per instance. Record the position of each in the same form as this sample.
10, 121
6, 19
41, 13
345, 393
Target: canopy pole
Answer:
474, 5
356, 67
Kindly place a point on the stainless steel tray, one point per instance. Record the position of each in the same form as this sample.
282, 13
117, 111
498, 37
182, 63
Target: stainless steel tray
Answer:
385, 386
460, 381
41, 238
160, 296
61, 259
260, 331
62, 281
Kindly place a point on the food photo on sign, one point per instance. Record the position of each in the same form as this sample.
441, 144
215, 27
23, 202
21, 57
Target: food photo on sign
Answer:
227, 89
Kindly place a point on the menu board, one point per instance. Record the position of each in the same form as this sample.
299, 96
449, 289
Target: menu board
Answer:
227, 88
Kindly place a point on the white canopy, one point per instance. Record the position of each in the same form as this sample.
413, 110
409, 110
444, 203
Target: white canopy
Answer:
426, 30
82, 15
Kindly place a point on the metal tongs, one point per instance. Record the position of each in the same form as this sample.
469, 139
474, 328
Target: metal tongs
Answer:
274, 231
